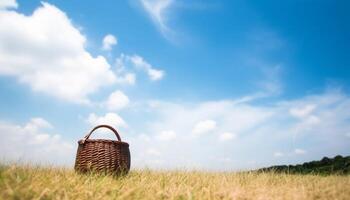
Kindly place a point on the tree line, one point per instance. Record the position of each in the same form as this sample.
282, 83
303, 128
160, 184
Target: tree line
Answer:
337, 165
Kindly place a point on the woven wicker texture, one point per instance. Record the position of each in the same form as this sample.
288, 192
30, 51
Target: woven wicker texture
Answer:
101, 155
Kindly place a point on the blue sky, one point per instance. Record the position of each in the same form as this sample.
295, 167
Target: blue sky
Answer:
222, 85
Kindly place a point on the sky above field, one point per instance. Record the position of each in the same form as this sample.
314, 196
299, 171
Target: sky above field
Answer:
215, 85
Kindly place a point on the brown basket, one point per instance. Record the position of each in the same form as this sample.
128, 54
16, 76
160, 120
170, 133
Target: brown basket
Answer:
101, 155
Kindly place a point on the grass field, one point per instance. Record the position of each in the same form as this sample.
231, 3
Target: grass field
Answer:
28, 182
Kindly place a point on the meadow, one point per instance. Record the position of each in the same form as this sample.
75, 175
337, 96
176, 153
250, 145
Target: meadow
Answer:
35, 182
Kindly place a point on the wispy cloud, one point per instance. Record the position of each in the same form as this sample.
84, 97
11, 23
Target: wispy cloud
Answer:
158, 11
271, 84
125, 62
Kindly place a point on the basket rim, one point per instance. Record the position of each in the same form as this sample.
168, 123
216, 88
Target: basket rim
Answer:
102, 140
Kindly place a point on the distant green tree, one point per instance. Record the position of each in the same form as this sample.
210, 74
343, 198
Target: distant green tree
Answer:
325, 166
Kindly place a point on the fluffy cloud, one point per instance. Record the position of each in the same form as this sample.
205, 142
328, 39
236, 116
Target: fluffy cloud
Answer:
50, 59
259, 131
109, 41
38, 122
128, 62
204, 127
8, 4
112, 119
117, 100
32, 143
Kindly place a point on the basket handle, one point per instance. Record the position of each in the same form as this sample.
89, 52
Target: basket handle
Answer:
102, 126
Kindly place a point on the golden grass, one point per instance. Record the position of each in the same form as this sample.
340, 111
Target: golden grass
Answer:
28, 182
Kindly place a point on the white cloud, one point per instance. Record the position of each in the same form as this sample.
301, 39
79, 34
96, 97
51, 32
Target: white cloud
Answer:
158, 12
253, 122
128, 62
155, 74
305, 114
166, 135
299, 151
8, 4
204, 127
50, 59
117, 100
312, 120
271, 84
226, 136
38, 122
125, 77
302, 112
278, 154
111, 119
109, 41
140, 63
32, 143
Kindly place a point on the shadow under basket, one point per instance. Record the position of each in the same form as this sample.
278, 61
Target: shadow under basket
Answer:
102, 155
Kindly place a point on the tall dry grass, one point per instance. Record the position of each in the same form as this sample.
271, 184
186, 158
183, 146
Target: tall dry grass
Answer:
28, 182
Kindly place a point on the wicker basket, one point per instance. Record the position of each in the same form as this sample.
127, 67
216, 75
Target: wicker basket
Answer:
101, 155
